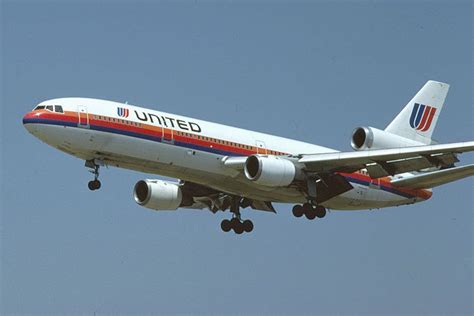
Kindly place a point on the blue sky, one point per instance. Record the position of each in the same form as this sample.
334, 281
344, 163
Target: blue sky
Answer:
310, 70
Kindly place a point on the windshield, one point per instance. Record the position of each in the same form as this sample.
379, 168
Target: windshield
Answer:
52, 108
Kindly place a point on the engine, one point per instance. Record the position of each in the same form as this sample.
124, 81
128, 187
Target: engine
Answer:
270, 171
158, 195
365, 138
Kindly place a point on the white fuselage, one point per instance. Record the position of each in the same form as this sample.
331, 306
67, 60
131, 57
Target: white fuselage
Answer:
193, 150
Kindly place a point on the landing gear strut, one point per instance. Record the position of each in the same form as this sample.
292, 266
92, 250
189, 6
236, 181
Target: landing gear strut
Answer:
93, 184
236, 222
309, 210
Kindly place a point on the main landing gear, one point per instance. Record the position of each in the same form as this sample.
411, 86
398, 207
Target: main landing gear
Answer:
237, 225
309, 210
93, 184
236, 222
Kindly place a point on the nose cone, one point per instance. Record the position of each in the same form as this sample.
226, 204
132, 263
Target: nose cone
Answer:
27, 117
28, 121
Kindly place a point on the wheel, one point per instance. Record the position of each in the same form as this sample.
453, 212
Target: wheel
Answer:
248, 225
320, 211
225, 225
310, 214
97, 184
239, 228
91, 185
234, 222
307, 208
298, 210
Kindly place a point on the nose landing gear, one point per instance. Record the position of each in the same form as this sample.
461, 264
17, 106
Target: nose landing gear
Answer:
93, 184
309, 210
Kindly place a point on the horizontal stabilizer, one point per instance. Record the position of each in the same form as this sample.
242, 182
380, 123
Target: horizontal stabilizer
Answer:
435, 178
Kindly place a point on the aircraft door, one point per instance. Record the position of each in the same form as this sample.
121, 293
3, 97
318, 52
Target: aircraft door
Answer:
83, 116
261, 148
167, 135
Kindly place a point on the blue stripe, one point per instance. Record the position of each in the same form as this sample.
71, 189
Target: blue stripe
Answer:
420, 115
136, 135
50, 122
186, 145
413, 115
385, 188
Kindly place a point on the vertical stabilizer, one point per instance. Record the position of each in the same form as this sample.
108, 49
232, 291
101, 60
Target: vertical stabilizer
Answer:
418, 118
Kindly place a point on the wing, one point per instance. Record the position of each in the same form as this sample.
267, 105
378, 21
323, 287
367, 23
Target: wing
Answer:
385, 162
435, 178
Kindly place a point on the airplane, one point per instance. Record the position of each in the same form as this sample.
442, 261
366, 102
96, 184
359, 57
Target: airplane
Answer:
224, 168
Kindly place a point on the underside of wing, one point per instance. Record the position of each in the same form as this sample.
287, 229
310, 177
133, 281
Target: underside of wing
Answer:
196, 196
435, 178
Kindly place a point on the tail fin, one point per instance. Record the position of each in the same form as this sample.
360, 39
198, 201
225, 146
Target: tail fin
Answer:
418, 118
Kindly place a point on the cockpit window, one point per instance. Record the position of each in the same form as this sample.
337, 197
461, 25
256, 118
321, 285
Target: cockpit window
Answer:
52, 108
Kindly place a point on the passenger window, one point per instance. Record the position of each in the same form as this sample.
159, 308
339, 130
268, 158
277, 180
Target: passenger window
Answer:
58, 108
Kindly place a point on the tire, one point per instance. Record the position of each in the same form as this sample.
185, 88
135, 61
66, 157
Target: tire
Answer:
310, 214
307, 207
97, 184
234, 222
298, 210
320, 211
225, 225
91, 185
239, 228
248, 226
309, 211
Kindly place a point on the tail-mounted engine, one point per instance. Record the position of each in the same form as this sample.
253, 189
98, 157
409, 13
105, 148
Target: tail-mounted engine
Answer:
365, 138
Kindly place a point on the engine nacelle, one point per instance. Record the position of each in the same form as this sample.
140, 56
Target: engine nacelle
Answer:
271, 171
158, 195
365, 138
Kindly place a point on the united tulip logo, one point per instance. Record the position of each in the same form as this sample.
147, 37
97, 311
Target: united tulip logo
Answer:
422, 116
122, 112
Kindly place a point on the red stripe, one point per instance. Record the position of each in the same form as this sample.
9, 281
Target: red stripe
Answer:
425, 116
428, 124
421, 193
156, 131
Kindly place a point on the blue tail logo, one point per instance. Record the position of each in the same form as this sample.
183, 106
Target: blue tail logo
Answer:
422, 116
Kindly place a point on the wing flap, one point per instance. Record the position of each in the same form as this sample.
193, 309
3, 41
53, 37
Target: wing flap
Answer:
385, 162
435, 178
